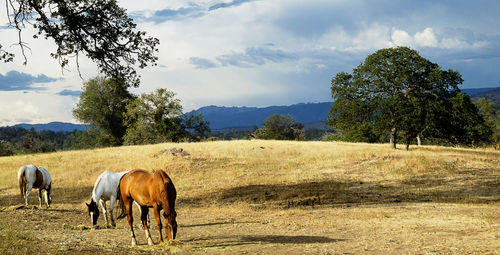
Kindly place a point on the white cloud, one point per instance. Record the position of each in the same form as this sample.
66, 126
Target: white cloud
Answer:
401, 38
426, 38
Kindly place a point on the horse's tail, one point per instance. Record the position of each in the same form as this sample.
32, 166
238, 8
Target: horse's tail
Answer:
121, 204
21, 180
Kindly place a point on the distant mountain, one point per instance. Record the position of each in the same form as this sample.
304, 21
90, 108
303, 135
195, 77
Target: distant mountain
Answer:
492, 95
237, 117
479, 91
54, 126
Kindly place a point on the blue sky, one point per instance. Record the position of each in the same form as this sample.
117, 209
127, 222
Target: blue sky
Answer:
261, 52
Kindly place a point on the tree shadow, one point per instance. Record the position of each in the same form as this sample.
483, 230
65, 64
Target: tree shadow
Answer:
466, 187
280, 239
215, 224
225, 241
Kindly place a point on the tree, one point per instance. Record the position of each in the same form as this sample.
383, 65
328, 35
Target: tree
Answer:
392, 92
102, 105
491, 115
78, 140
195, 128
99, 29
6, 148
467, 124
33, 142
280, 127
157, 117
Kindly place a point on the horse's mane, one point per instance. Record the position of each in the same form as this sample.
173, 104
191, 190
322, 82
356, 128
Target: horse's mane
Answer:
95, 187
167, 191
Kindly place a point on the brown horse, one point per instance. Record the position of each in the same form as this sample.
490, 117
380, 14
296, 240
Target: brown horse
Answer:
154, 190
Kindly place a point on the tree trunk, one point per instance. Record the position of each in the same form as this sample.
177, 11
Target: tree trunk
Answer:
408, 145
392, 138
418, 140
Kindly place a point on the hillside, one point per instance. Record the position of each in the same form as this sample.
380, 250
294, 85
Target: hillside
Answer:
479, 91
491, 95
310, 114
54, 126
227, 117
270, 197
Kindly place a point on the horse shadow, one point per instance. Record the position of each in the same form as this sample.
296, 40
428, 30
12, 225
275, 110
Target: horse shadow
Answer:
60, 195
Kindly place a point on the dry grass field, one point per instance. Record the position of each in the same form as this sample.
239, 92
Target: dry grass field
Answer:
271, 197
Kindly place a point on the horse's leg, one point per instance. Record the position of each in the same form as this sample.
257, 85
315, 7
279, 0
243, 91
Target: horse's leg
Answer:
128, 208
144, 217
40, 197
47, 198
30, 186
112, 201
158, 222
139, 207
102, 202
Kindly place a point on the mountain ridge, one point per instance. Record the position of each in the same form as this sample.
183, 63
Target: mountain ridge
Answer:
312, 115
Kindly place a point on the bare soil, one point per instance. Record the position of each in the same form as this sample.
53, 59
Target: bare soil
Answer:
307, 218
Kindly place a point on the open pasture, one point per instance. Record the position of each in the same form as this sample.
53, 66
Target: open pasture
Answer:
270, 197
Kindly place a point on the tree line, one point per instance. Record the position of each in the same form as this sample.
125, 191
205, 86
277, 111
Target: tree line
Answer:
17, 140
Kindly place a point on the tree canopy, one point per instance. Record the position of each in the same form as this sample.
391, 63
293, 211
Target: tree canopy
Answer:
102, 104
99, 29
397, 92
280, 127
157, 117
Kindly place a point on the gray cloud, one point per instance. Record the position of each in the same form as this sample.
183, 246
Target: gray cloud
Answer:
226, 5
67, 92
192, 10
253, 56
15, 80
202, 63
163, 15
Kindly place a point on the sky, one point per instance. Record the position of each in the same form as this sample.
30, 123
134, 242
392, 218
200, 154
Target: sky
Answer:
259, 52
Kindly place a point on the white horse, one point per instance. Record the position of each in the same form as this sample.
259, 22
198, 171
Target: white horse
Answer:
35, 177
105, 188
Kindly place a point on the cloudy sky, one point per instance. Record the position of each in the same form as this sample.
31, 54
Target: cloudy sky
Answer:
261, 52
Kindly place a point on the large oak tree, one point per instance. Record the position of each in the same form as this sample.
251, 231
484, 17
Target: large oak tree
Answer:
395, 91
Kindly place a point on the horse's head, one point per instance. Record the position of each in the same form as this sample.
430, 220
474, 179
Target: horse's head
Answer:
93, 211
170, 225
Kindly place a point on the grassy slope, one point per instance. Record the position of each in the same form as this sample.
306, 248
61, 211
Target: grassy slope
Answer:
314, 197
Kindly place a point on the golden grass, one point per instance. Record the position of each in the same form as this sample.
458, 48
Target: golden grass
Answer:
228, 165
293, 187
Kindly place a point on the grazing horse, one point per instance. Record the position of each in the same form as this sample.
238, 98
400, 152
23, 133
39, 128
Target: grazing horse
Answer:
30, 177
105, 188
154, 190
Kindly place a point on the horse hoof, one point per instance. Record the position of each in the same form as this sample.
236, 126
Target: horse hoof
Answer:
134, 243
150, 242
